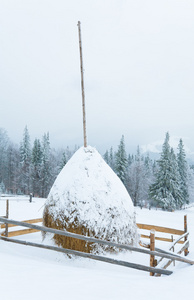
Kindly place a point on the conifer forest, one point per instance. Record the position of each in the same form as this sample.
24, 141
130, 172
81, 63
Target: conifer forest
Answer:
31, 168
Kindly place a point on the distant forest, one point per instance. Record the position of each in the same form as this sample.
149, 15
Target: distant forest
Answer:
32, 168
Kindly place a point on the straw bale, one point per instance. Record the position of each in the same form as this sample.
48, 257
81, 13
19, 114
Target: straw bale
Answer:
88, 198
75, 227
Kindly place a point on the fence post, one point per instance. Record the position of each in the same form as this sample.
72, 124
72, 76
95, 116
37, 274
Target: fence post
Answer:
186, 251
7, 216
152, 248
173, 249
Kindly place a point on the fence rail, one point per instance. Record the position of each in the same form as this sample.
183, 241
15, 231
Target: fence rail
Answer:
32, 221
150, 269
140, 226
160, 239
91, 256
153, 251
182, 239
160, 229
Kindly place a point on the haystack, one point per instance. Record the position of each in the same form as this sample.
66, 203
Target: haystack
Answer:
89, 199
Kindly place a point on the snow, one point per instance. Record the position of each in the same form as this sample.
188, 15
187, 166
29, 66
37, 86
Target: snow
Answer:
87, 192
32, 273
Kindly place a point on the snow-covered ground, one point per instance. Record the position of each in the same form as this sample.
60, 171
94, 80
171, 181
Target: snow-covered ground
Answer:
32, 273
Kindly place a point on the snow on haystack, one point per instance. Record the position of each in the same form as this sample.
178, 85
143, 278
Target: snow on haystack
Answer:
89, 199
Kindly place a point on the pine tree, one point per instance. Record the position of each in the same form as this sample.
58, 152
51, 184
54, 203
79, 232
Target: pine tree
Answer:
63, 161
4, 144
46, 166
130, 159
68, 153
190, 177
148, 176
158, 190
136, 179
13, 168
121, 161
25, 162
165, 192
111, 159
36, 167
175, 182
2, 188
183, 170
106, 157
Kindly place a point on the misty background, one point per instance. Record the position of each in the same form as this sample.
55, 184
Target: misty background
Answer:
138, 63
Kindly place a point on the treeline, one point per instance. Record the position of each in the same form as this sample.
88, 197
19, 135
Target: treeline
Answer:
167, 183
27, 168
32, 168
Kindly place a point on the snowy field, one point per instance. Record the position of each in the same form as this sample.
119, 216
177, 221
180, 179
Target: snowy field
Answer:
32, 273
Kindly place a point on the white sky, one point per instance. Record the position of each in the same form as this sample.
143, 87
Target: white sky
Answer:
139, 70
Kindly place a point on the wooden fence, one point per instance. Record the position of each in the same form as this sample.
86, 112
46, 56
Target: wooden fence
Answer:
183, 234
155, 252
140, 226
20, 231
181, 239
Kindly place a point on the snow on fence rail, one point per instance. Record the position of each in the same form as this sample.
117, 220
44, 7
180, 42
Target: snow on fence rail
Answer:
182, 239
182, 234
140, 226
184, 248
151, 269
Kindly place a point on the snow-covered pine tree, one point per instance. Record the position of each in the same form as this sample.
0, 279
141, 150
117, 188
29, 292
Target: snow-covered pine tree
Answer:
68, 153
25, 162
190, 177
106, 157
155, 168
13, 168
121, 161
111, 159
165, 191
136, 179
149, 177
4, 144
36, 167
158, 190
183, 170
46, 166
2, 187
175, 181
130, 159
63, 161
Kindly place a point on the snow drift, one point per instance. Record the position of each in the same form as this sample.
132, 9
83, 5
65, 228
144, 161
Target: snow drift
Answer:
88, 198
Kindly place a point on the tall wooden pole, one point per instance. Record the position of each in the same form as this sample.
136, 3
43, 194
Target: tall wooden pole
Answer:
82, 84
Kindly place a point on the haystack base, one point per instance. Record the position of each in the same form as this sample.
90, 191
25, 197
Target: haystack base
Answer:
73, 243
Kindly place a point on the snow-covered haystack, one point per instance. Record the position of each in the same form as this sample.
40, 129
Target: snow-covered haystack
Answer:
89, 199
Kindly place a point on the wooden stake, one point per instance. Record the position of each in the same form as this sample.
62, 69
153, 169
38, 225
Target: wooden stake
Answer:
173, 249
186, 251
152, 248
82, 84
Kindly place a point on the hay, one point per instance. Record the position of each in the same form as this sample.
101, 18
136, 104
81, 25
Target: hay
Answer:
62, 223
68, 242
88, 198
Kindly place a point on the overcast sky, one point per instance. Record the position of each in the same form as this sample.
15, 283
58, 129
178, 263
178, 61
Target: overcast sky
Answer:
139, 70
